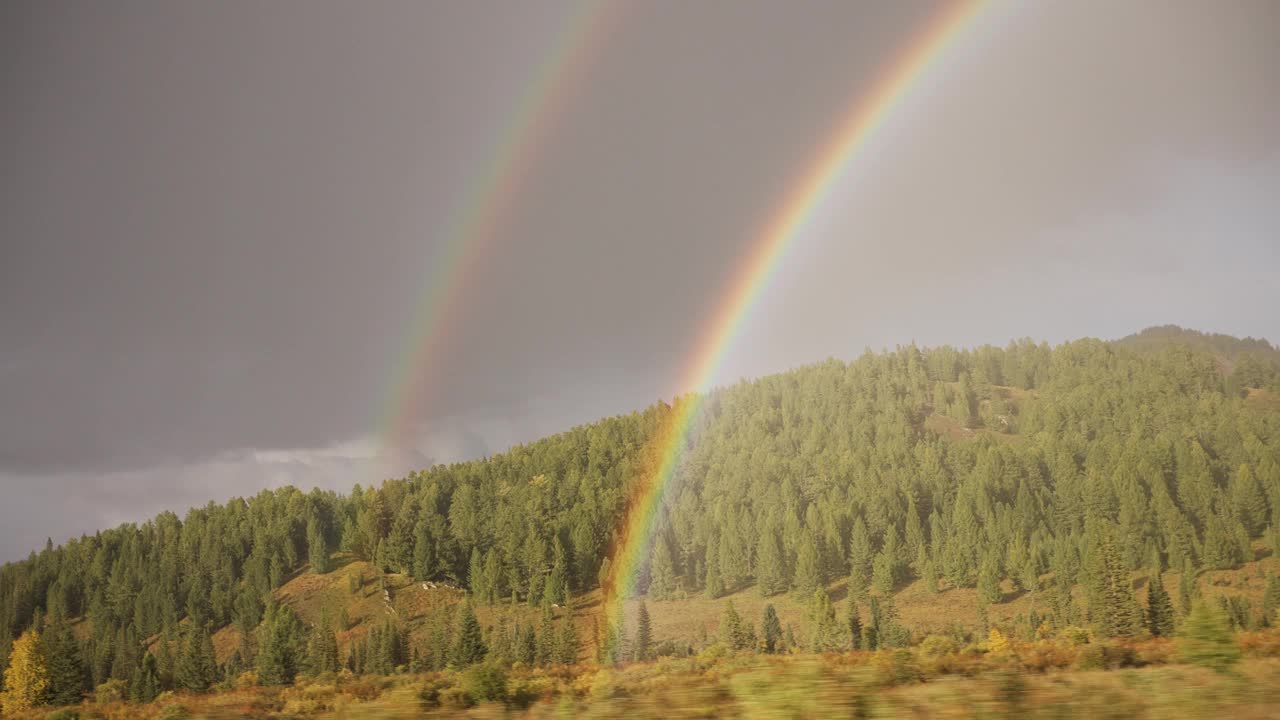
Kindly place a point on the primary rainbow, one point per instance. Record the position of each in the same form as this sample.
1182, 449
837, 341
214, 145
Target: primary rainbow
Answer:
492, 193
868, 113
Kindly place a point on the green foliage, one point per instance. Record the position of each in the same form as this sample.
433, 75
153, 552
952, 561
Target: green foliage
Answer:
825, 633
1160, 618
771, 630
485, 682
281, 646
64, 659
469, 647
197, 666
642, 646
1206, 639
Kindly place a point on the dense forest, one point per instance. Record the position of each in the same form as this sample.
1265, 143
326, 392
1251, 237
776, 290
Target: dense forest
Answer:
1041, 467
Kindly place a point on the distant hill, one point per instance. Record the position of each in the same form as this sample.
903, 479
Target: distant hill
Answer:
936, 489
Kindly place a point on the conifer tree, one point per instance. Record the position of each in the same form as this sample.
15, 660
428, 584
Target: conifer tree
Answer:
280, 646
165, 664
808, 576
713, 585
1119, 614
197, 667
64, 659
469, 647
825, 634
643, 645
731, 635
1207, 640
662, 574
1187, 589
322, 650
546, 637
855, 626
1270, 602
1159, 608
567, 649
317, 548
771, 630
527, 645
145, 684
771, 576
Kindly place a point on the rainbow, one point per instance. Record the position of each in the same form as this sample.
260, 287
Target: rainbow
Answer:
868, 113
492, 194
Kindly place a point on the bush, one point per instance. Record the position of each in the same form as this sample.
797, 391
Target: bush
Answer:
63, 714
430, 694
174, 712
111, 691
485, 682
896, 667
1105, 656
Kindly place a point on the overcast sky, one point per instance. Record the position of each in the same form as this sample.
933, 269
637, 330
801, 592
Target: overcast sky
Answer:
217, 219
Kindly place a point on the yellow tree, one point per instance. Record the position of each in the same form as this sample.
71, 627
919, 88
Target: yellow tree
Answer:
27, 678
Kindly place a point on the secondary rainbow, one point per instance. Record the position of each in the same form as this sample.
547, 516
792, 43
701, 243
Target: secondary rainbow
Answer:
868, 113
492, 194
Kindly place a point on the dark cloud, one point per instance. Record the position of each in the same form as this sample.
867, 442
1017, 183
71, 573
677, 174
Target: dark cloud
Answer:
218, 221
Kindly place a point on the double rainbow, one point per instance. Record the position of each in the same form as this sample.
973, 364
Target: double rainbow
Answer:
868, 113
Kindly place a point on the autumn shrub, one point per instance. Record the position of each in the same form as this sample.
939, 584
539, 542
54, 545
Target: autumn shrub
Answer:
896, 667
174, 712
485, 682
1105, 655
63, 714
1260, 643
111, 691
1045, 655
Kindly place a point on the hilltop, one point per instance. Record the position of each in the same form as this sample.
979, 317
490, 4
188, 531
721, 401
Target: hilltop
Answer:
930, 491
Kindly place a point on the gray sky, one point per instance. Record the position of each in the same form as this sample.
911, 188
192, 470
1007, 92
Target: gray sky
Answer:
216, 219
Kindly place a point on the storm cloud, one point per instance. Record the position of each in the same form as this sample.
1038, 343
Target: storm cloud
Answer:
217, 221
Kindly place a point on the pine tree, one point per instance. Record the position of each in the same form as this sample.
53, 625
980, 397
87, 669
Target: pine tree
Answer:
546, 637
662, 574
26, 679
1159, 608
165, 665
1187, 589
1271, 601
713, 585
643, 646
527, 645
855, 626
280, 646
145, 684
197, 667
989, 580
1119, 614
859, 559
567, 649
731, 635
808, 575
322, 650
771, 576
824, 630
317, 548
64, 659
469, 648
771, 630
1207, 640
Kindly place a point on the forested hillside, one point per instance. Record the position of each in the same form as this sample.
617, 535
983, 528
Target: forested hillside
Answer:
1026, 466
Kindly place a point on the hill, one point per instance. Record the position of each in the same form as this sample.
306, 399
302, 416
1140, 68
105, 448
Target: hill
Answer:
939, 490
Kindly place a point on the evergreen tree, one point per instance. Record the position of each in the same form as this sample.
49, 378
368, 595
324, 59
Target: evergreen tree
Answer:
145, 684
567, 649
662, 574
527, 645
1270, 602
280, 646
546, 637
1118, 614
808, 576
855, 626
1159, 608
713, 585
731, 631
165, 665
64, 659
771, 630
317, 548
643, 647
469, 647
1207, 640
322, 650
771, 576
1187, 589
989, 580
197, 666
825, 634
